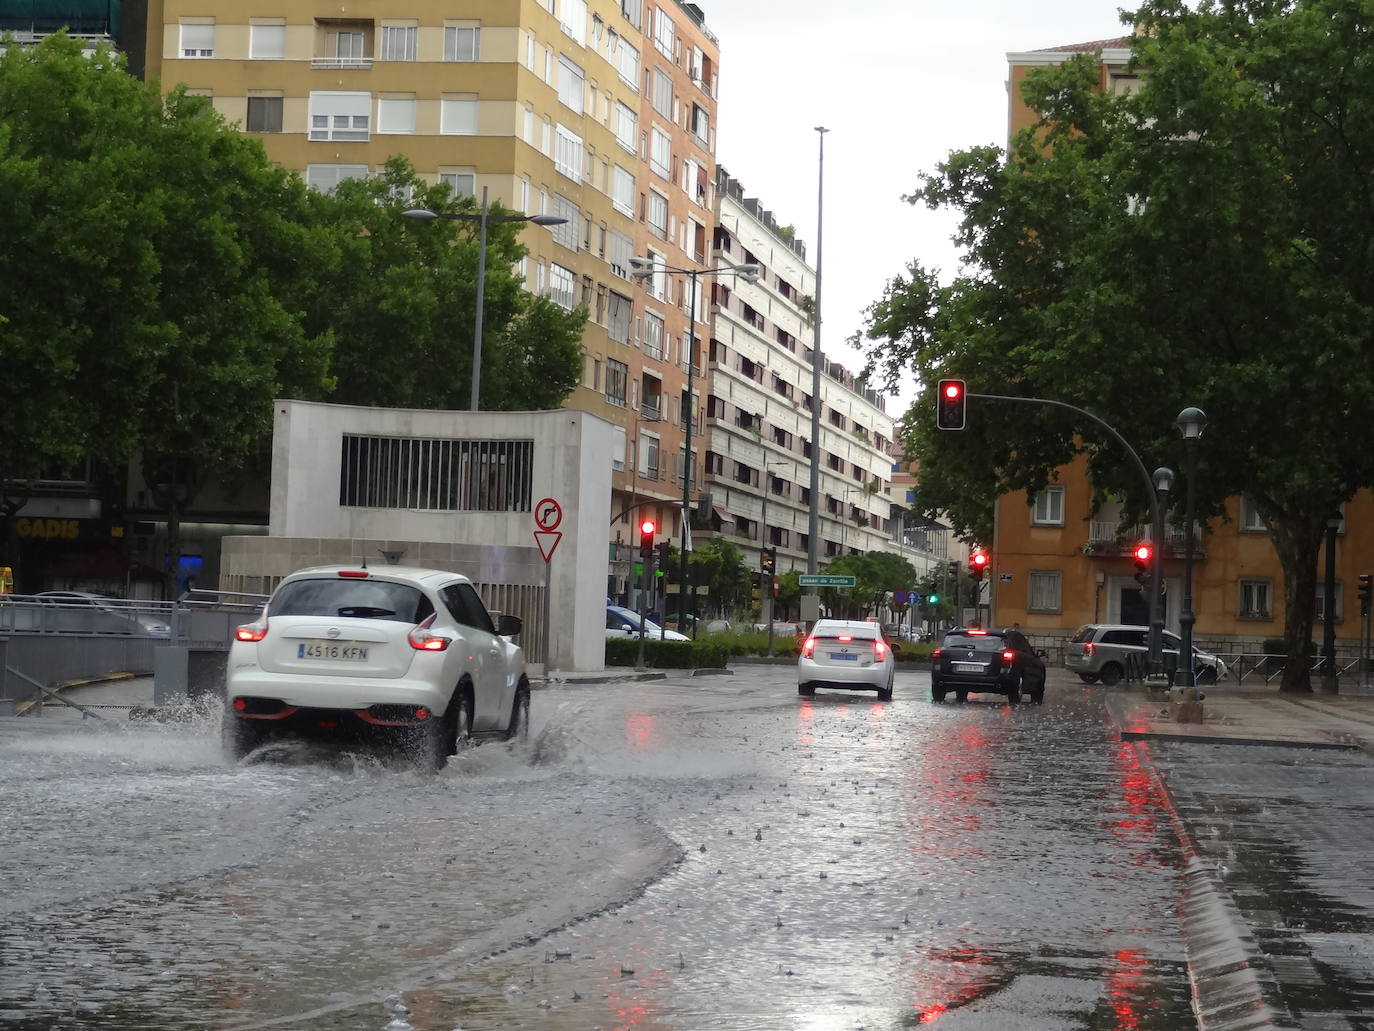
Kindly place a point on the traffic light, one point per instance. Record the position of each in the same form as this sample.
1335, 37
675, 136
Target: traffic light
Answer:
950, 403
1143, 556
977, 565
769, 559
953, 568
664, 553
757, 579
647, 529
1366, 593
933, 599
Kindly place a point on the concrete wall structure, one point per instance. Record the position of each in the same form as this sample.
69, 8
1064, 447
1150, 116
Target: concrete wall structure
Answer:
446, 490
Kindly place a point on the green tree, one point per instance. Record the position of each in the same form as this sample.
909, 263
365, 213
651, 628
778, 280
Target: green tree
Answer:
407, 289
1203, 241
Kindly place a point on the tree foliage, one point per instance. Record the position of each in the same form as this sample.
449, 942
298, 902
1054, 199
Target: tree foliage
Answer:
1208, 240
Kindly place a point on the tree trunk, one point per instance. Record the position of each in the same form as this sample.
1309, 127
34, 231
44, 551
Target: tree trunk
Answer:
1298, 543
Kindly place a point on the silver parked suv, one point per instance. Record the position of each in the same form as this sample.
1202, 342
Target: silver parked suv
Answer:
1098, 651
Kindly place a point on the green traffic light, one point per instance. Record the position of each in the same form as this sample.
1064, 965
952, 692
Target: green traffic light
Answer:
934, 599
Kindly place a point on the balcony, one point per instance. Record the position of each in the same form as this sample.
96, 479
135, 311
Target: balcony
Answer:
1112, 539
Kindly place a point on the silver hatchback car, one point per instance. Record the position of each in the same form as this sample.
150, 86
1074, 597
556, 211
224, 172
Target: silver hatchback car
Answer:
1100, 652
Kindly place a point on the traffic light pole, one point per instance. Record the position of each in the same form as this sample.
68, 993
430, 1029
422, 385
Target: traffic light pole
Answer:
1156, 639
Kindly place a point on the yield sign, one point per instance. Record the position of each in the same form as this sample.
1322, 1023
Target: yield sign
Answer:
548, 542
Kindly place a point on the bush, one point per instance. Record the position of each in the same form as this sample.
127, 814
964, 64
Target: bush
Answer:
659, 654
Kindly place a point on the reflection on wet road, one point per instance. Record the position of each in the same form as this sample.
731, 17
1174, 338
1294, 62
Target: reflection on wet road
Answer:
677, 854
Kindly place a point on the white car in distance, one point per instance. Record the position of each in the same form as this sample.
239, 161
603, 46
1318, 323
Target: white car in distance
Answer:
410, 657
846, 654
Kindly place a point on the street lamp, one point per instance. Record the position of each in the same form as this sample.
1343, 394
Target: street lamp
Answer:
1329, 682
1164, 484
647, 268
481, 218
844, 519
1190, 422
764, 544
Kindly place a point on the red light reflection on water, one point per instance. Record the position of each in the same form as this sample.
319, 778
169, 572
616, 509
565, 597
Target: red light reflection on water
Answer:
1123, 987
806, 715
1134, 824
641, 731
956, 977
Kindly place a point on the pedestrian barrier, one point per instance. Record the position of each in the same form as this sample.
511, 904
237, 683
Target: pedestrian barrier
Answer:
1267, 668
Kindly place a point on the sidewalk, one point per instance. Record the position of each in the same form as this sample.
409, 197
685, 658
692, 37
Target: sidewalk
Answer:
1272, 797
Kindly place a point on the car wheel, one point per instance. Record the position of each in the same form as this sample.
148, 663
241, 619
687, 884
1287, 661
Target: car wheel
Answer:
1110, 674
1037, 694
436, 740
1207, 675
961, 697
1014, 691
241, 736
806, 690
1088, 678
519, 729
885, 693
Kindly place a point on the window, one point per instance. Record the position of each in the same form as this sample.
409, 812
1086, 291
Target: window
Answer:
267, 43
462, 184
436, 474
462, 43
1044, 591
660, 154
631, 10
648, 455
701, 123
618, 318
626, 126
339, 115
264, 114
623, 191
466, 606
572, 18
1250, 519
571, 84
562, 287
662, 93
458, 116
396, 114
653, 336
657, 214
627, 61
566, 235
1255, 599
622, 249
1048, 509
1321, 603
398, 42
665, 37
616, 376
325, 178
198, 40
567, 152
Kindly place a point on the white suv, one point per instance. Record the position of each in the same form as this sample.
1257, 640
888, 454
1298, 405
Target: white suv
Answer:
408, 655
1102, 651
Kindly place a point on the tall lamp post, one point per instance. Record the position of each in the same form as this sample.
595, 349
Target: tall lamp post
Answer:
1329, 681
1164, 484
1190, 422
481, 218
647, 268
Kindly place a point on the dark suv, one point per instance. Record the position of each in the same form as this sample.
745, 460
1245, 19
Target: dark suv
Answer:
974, 661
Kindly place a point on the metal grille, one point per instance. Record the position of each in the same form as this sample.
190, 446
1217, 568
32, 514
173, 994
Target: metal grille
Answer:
436, 475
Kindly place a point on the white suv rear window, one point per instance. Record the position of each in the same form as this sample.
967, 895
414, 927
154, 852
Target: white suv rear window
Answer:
341, 598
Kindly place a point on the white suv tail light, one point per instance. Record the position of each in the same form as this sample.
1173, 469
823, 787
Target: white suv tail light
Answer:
252, 632
423, 641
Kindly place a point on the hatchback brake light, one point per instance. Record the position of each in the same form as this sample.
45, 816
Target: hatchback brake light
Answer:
354, 574
252, 632
1089, 648
1008, 656
808, 646
976, 633
935, 655
845, 637
423, 641
879, 650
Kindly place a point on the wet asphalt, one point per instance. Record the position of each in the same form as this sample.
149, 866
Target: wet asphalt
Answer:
685, 853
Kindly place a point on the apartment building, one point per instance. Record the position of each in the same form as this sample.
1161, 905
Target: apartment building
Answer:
758, 411
673, 127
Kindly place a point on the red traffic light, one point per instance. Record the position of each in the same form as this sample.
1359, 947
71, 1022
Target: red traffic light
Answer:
979, 559
952, 389
648, 527
1143, 554
950, 400
977, 564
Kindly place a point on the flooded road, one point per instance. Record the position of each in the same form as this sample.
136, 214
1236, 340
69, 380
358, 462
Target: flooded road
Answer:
689, 853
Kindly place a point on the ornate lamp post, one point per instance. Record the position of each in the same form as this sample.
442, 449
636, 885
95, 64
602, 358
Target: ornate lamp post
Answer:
1190, 422
1330, 685
481, 218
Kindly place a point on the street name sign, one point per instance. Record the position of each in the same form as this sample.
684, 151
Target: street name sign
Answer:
823, 580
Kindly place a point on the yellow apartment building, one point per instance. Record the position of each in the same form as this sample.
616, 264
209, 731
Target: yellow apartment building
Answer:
555, 107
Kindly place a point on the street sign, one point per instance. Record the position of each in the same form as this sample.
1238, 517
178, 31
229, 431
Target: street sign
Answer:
825, 580
548, 542
548, 513
1005, 578
899, 597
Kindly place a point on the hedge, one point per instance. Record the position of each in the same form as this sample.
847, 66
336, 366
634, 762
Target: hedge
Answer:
660, 654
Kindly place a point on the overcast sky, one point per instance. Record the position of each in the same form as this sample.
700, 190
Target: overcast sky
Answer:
899, 84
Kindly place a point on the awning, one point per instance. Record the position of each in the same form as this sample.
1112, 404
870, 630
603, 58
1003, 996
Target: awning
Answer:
722, 515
